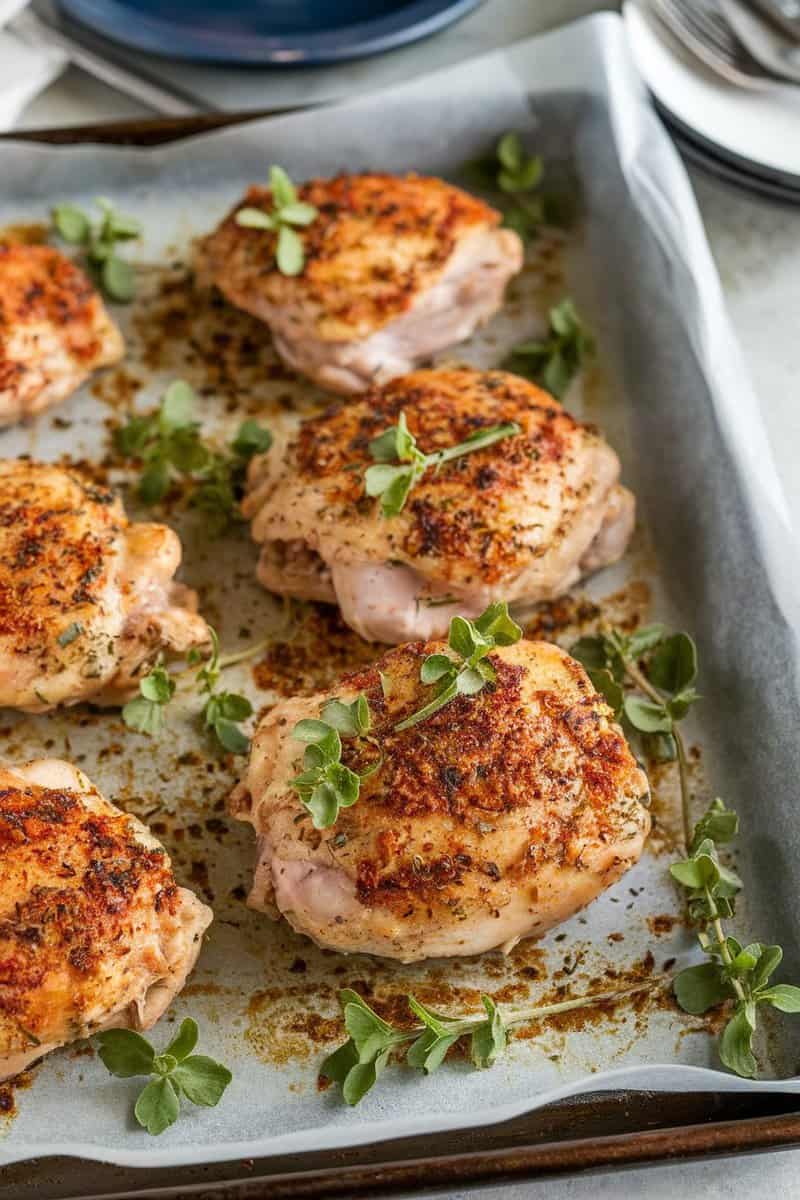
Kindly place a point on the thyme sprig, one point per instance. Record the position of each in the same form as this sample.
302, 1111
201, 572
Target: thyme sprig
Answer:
169, 444
286, 213
661, 668
326, 785
554, 361
510, 170
113, 274
467, 670
357, 1064
400, 464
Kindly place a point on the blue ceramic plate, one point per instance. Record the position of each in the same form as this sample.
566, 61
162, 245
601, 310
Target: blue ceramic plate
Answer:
278, 32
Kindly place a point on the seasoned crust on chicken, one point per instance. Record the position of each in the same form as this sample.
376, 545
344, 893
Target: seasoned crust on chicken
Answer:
521, 520
491, 821
396, 268
86, 599
94, 931
54, 330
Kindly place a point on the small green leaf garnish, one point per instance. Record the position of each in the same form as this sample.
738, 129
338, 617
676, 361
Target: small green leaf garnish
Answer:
175, 1072
325, 784
170, 446
287, 211
113, 274
469, 671
223, 712
518, 179
662, 669
145, 712
358, 1064
400, 464
73, 631
554, 361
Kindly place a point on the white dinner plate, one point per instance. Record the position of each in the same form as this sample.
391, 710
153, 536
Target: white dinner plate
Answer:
757, 130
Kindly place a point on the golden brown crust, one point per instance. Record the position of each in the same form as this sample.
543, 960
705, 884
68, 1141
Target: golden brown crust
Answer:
57, 531
40, 285
465, 512
75, 885
378, 242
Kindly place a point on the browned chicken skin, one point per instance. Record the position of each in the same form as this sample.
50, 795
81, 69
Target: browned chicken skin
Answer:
87, 600
94, 931
54, 330
493, 820
397, 267
522, 520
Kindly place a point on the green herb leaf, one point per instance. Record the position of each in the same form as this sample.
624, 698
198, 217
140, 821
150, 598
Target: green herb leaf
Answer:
283, 190
736, 1043
125, 1053
158, 1106
184, 1041
490, 1038
73, 631
555, 360
145, 712
673, 666
325, 785
71, 223
118, 279
393, 481
201, 1079
718, 823
255, 218
782, 996
251, 439
647, 716
702, 987
471, 642
289, 255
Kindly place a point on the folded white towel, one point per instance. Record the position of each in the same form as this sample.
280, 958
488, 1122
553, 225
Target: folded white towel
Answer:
24, 71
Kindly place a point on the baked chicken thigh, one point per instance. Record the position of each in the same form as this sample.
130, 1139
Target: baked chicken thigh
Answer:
87, 600
490, 821
522, 520
54, 330
396, 268
94, 932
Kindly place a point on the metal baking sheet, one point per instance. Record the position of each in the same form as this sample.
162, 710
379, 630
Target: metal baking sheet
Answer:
714, 553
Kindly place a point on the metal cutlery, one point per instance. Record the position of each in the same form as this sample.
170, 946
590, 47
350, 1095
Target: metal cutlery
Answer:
702, 29
783, 13
774, 51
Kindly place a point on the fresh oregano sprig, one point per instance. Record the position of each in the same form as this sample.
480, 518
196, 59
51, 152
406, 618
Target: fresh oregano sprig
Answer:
175, 1072
326, 785
400, 464
170, 446
662, 669
286, 213
357, 1064
222, 712
114, 275
554, 361
467, 670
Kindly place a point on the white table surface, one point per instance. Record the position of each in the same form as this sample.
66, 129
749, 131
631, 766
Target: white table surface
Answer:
757, 248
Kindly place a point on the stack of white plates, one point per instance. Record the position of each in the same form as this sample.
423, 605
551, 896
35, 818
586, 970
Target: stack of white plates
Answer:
748, 137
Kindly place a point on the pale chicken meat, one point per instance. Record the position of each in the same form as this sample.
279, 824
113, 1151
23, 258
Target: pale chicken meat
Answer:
494, 819
396, 268
94, 931
87, 600
521, 520
54, 330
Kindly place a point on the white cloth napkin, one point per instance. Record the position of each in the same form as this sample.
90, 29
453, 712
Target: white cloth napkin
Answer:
24, 71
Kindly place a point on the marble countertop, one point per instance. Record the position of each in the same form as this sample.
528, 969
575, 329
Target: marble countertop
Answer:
757, 248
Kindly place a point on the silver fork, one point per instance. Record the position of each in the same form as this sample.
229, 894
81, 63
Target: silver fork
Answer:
700, 26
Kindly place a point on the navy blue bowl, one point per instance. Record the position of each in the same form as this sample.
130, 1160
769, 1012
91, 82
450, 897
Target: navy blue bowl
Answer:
278, 32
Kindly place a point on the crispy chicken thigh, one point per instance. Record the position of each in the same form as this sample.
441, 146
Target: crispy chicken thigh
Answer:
522, 520
491, 821
396, 268
94, 931
86, 599
54, 330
